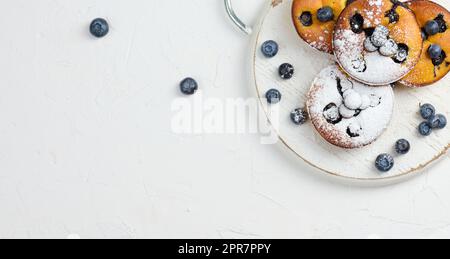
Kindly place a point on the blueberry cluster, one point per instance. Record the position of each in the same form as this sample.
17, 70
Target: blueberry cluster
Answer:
324, 14
380, 41
432, 120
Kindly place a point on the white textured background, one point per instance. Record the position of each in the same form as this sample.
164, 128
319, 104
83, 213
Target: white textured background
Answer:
86, 147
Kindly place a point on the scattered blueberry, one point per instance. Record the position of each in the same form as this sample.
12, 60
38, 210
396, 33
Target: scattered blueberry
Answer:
299, 116
427, 110
325, 14
384, 162
431, 28
99, 28
425, 128
286, 71
439, 60
273, 96
438, 121
402, 54
402, 146
188, 86
306, 19
434, 51
269, 49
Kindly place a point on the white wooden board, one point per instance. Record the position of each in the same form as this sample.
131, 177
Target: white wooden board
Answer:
306, 143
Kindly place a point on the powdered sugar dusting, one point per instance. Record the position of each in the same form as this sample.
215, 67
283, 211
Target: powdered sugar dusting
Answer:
368, 67
352, 131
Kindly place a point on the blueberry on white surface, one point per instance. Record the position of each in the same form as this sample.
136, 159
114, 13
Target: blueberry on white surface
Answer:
299, 116
427, 110
269, 49
286, 71
99, 27
438, 121
384, 162
273, 96
402, 146
425, 128
188, 86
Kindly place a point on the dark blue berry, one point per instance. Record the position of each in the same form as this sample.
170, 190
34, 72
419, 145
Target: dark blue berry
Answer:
273, 96
325, 14
188, 86
438, 121
299, 116
402, 146
431, 28
434, 51
427, 110
425, 128
357, 23
269, 49
384, 162
306, 19
286, 71
99, 28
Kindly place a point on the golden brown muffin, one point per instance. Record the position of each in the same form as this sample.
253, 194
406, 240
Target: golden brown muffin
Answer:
429, 71
377, 42
316, 33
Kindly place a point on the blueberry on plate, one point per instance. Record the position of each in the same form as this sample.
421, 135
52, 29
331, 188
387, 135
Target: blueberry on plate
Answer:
99, 28
299, 116
402, 146
286, 71
431, 28
188, 86
425, 128
384, 162
273, 96
325, 14
438, 121
427, 110
269, 49
434, 51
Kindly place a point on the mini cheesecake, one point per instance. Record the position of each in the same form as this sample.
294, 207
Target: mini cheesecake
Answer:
428, 70
311, 29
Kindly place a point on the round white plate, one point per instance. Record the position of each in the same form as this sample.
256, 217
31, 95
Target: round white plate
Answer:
306, 143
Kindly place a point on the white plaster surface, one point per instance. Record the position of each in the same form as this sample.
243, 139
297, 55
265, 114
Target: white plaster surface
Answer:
87, 151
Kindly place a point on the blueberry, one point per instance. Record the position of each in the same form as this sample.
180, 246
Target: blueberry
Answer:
188, 86
269, 49
325, 14
438, 121
273, 96
402, 54
384, 162
306, 19
425, 128
439, 60
402, 146
99, 28
392, 15
357, 23
431, 28
441, 22
434, 51
286, 71
299, 116
427, 110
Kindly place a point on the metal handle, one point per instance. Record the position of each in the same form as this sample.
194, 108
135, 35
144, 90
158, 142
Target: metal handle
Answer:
242, 26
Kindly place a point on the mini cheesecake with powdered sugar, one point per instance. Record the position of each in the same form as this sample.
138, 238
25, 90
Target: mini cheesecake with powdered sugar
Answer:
377, 42
347, 113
